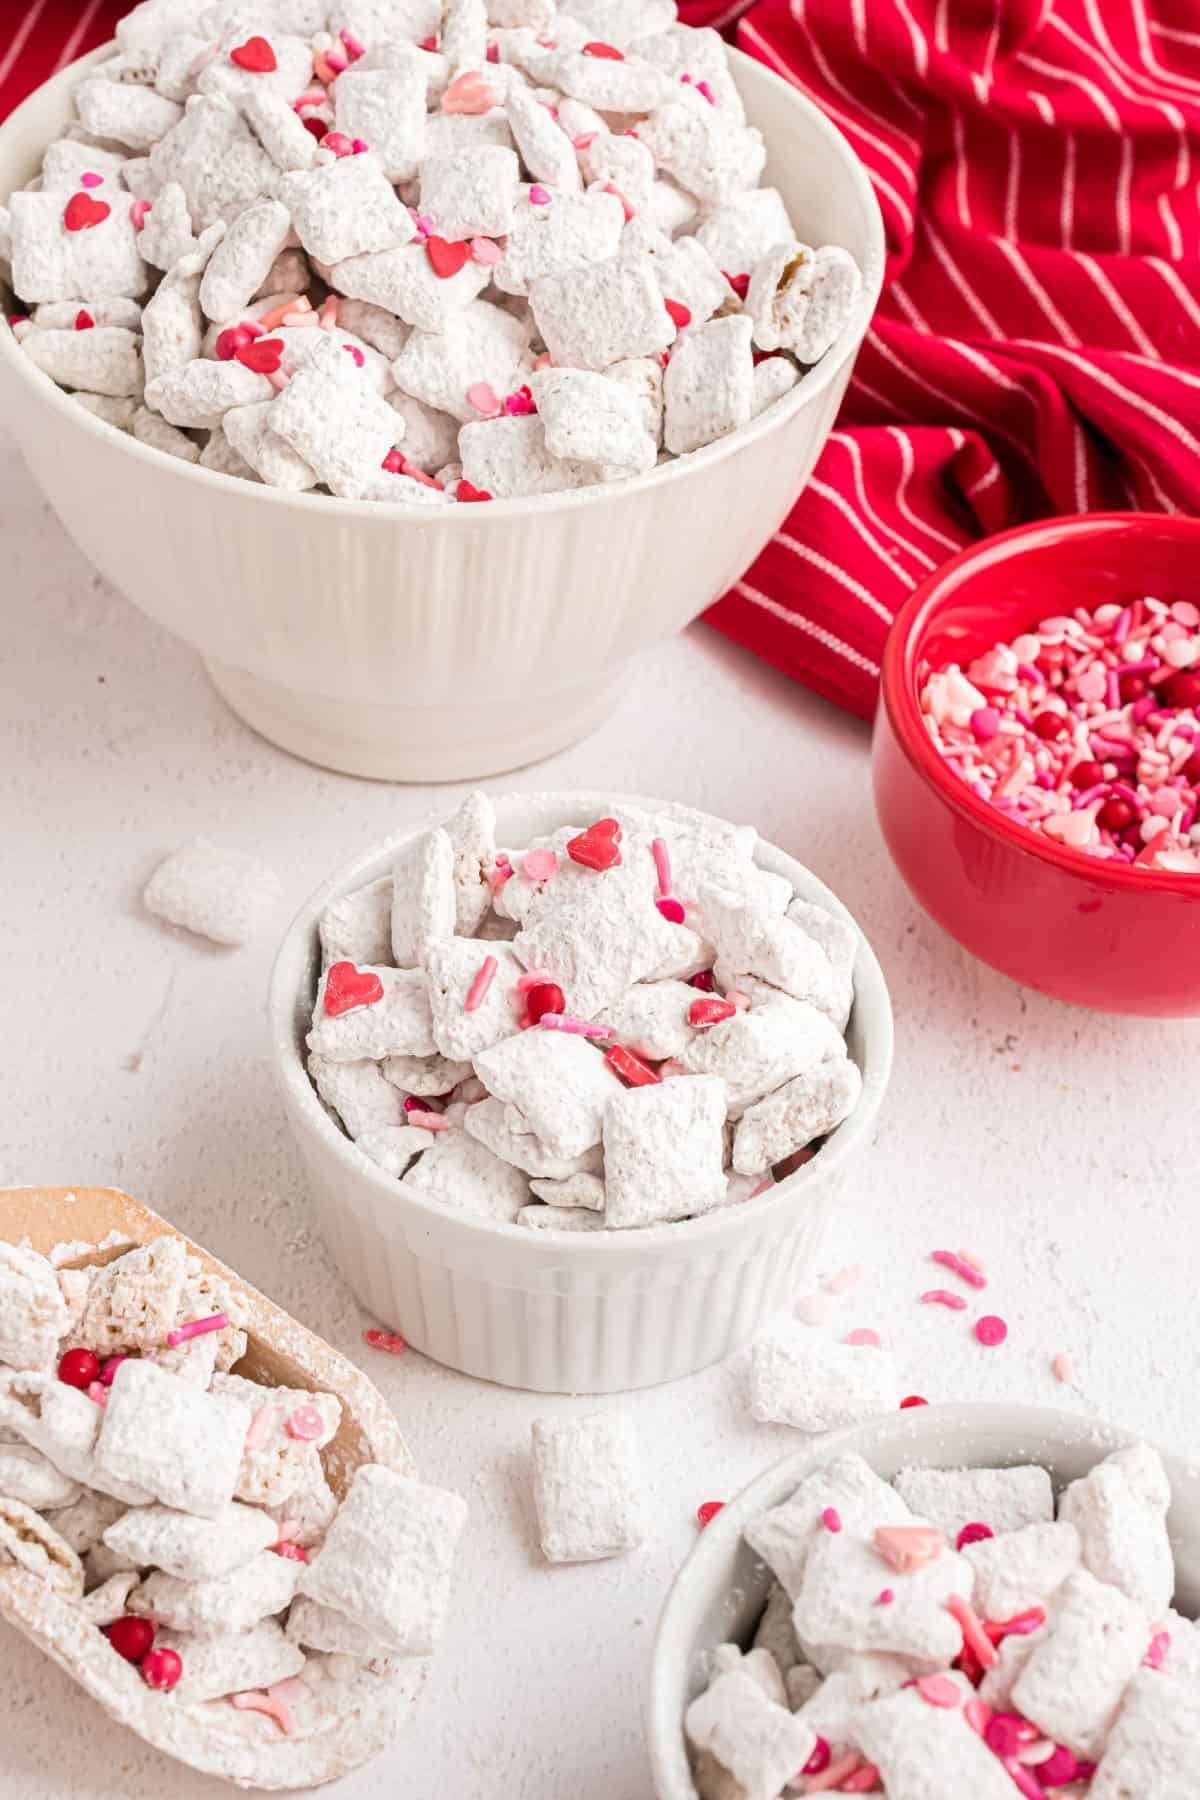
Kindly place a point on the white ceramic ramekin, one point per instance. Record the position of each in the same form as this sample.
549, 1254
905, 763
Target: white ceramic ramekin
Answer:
720, 1591
552, 1311
397, 642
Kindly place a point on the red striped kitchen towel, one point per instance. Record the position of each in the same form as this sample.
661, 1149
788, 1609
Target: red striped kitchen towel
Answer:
1037, 349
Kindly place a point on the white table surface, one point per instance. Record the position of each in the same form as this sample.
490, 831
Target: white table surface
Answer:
1057, 1145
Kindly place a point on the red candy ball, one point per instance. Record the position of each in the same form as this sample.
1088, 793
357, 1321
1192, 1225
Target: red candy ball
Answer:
1133, 687
1049, 725
131, 1638
1182, 689
161, 1669
1191, 769
1087, 774
546, 997
79, 1368
1115, 815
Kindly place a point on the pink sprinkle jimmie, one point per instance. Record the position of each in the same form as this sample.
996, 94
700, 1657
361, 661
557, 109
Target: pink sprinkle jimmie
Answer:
197, 1328
943, 1297
260, 1425
479, 987
578, 1027
1063, 1367
975, 1637
282, 1714
834, 1775
960, 1266
1156, 1655
939, 1690
864, 1337
991, 1330
427, 1121
390, 1341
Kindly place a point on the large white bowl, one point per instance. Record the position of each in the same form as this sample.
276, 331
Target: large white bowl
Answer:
719, 1594
404, 643
553, 1311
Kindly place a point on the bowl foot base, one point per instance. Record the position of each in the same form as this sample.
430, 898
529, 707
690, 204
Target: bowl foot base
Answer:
451, 742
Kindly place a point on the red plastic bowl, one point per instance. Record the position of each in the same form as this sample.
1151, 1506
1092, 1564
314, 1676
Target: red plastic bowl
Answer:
1095, 933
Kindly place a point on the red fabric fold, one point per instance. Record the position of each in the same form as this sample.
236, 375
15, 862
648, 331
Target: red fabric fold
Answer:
1037, 348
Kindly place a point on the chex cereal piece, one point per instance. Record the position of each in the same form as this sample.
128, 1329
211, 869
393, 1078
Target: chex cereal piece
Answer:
555, 1085
758, 1664
183, 1446
546, 150
1021, 1569
700, 54
802, 1110
748, 1745
587, 1487
454, 966
423, 897
1120, 1512
105, 1604
386, 109
491, 1122
1012, 1653
201, 393
67, 158
125, 113
754, 1053
670, 209
148, 428
357, 927
226, 74
172, 323
29, 1476
190, 1548
837, 1604
194, 1362
470, 191
571, 232
84, 1522
707, 152
321, 1628
708, 386
33, 1545
832, 1709
801, 300
205, 1293
116, 412
103, 361
1003, 1499
651, 1018
622, 162
57, 315
784, 1535
459, 1172
774, 1632
837, 937
338, 426
1072, 1684
359, 1093
1153, 1747
216, 160
663, 1151
287, 1424
394, 1147
926, 1752
281, 132
430, 438
249, 431
586, 418
800, 1377
64, 1425
167, 233
219, 454
33, 1311
405, 281
394, 1022
472, 834
345, 209
133, 1302
387, 1559
559, 1218
578, 1190
602, 313
599, 937
428, 1076
510, 456
242, 260
310, 1507
630, 85
228, 1603
233, 1662
478, 343
687, 276
774, 377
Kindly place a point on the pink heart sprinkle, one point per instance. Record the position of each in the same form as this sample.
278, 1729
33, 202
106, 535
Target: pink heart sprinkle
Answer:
91, 179
939, 1690
978, 1715
864, 1335
539, 865
486, 252
584, 141
539, 196
482, 396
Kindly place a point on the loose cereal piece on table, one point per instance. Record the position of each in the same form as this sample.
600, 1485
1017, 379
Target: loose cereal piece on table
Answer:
748, 1746
510, 456
573, 231
133, 1302
586, 1487
708, 389
220, 894
560, 1218
1154, 1746
1120, 1511
801, 300
233, 1662
387, 1559
103, 361
927, 1752
1002, 1499
423, 896
386, 109
602, 313
555, 1085
1072, 1684
590, 419
183, 1446
754, 1053
663, 1151
1021, 1569
478, 343
33, 1311
357, 927
785, 1535
578, 1190
371, 1013
459, 1172
190, 1548
337, 425
29, 1476
806, 1108
345, 209
33, 1545
359, 1092
285, 1426
800, 1377
235, 1602
473, 995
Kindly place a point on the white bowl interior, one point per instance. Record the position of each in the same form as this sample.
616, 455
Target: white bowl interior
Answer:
520, 818
720, 1591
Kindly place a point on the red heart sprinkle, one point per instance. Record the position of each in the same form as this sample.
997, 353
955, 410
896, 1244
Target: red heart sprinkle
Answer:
629, 1067
608, 50
347, 987
429, 43
710, 1012
739, 283
82, 212
84, 320
256, 55
680, 314
466, 490
264, 356
706, 1513
447, 258
599, 847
